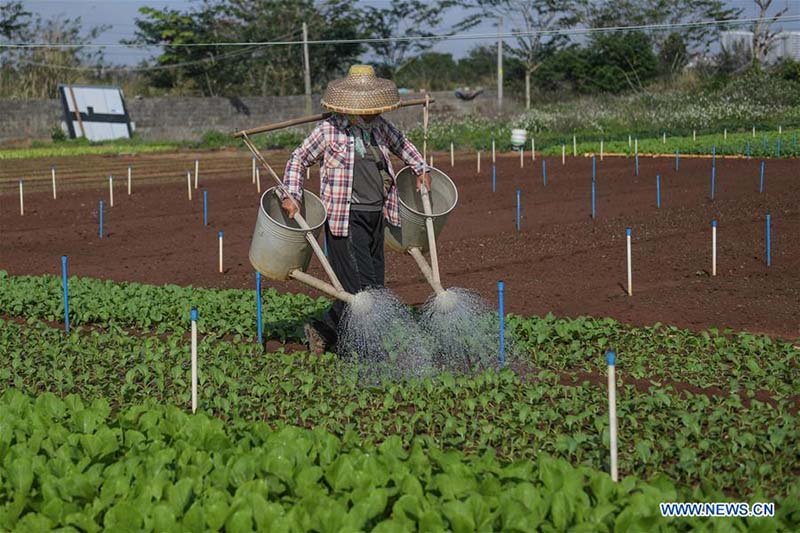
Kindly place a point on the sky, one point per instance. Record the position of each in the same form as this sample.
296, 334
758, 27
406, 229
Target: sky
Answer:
120, 16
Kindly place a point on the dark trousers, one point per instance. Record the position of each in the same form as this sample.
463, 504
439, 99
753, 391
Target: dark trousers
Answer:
357, 261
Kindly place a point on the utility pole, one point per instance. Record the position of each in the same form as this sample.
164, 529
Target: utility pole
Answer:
499, 63
306, 69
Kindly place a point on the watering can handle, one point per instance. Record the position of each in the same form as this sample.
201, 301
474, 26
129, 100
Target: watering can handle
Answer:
426, 204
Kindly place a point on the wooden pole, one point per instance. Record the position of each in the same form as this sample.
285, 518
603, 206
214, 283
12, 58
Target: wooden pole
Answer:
306, 69
129, 180
196, 171
77, 112
53, 174
111, 191
479, 161
311, 118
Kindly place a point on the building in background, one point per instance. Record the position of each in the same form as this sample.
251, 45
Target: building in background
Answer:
785, 45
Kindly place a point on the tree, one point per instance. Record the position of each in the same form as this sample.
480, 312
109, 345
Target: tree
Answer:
37, 72
404, 18
212, 69
431, 70
762, 36
13, 19
673, 55
606, 13
535, 22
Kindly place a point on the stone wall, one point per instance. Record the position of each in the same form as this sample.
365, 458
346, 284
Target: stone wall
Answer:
187, 118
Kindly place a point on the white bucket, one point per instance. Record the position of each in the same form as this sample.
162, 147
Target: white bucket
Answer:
518, 138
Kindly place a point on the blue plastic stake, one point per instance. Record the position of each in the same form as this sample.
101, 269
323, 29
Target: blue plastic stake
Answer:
101, 219
518, 210
611, 357
761, 181
594, 196
714, 155
769, 252
658, 191
637, 164
747, 149
258, 308
594, 168
205, 207
677, 159
66, 293
544, 172
765, 141
713, 180
494, 177
501, 312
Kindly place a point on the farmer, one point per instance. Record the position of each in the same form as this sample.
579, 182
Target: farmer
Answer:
357, 184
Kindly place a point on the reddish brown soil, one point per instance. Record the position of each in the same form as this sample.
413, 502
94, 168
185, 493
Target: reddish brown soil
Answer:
562, 262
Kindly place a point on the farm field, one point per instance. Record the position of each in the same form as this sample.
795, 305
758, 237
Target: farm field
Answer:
96, 430
562, 261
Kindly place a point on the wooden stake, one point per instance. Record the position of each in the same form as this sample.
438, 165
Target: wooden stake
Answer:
452, 156
521, 157
220, 252
254, 170
479, 161
612, 412
21, 201
53, 173
601, 149
563, 155
714, 248
630, 276
129, 180
196, 171
574, 147
194, 360
111, 191
189, 184
533, 149
258, 180
493, 156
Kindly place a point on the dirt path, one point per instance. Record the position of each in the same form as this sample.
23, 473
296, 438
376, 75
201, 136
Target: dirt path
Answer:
562, 262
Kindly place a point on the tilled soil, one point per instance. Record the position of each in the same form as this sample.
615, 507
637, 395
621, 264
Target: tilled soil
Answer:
562, 261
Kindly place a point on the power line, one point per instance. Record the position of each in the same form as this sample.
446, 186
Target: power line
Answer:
439, 37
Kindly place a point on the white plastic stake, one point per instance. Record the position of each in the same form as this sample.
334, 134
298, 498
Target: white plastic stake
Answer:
53, 173
601, 149
630, 276
533, 149
754, 132
636, 146
694, 135
129, 180
780, 130
713, 247
254, 170
111, 191
452, 156
629, 141
664, 138
220, 252
258, 180
521, 157
725, 133
574, 147
611, 360
189, 184
196, 171
21, 201
493, 156
194, 360
563, 155
479, 161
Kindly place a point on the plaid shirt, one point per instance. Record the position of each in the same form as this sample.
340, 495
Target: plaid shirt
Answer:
332, 142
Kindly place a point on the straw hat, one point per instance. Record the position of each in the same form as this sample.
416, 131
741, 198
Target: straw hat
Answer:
361, 93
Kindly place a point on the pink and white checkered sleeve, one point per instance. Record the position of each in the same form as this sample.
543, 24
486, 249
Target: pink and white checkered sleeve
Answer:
305, 155
403, 148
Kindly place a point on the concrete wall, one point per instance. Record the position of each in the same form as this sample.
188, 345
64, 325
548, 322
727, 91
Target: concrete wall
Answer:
187, 118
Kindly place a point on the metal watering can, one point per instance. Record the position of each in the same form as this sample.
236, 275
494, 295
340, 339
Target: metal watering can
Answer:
413, 232
279, 244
